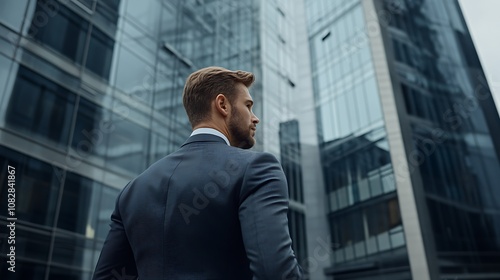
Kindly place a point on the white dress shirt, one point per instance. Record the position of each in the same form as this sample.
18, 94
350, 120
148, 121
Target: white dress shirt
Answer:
206, 130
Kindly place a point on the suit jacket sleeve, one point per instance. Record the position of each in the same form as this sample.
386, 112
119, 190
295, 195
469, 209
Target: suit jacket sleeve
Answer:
264, 223
116, 260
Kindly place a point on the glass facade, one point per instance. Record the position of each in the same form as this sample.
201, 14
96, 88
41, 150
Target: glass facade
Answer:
444, 93
363, 211
280, 81
63, 219
291, 160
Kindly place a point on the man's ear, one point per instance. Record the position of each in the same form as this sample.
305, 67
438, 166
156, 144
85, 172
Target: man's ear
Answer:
222, 105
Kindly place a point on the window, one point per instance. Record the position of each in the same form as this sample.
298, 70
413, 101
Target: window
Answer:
360, 100
73, 251
394, 215
127, 146
133, 76
65, 32
34, 245
48, 113
343, 116
146, 14
106, 207
5, 65
109, 10
79, 201
38, 183
25, 270
373, 99
100, 53
92, 128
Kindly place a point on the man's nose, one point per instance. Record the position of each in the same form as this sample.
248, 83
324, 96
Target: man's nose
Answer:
255, 119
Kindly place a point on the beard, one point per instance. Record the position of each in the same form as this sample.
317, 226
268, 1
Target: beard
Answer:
240, 133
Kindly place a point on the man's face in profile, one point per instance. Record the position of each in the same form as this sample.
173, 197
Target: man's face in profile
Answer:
242, 122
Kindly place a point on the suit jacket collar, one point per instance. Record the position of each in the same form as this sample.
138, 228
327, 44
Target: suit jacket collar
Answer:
204, 138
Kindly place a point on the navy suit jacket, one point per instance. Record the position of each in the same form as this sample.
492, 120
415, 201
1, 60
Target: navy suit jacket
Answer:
206, 211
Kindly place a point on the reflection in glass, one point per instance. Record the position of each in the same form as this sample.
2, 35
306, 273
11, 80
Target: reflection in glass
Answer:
49, 112
435, 59
108, 10
359, 163
92, 128
64, 31
78, 205
134, 76
73, 251
100, 53
34, 245
127, 146
159, 148
38, 182
367, 230
291, 158
146, 14
24, 270
106, 207
12, 13
64, 273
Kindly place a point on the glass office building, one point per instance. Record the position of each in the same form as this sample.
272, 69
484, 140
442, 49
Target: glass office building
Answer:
410, 154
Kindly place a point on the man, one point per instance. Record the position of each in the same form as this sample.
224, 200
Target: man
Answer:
211, 210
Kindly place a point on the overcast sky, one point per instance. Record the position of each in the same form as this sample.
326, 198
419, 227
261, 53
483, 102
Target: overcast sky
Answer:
483, 21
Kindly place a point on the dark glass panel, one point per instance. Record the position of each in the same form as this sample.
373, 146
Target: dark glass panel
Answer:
109, 10
5, 69
73, 251
49, 111
394, 214
24, 270
79, 204
358, 228
37, 187
291, 157
346, 230
377, 219
92, 128
62, 30
62, 273
29, 244
100, 53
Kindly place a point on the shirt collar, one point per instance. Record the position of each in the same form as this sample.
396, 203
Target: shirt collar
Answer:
206, 130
